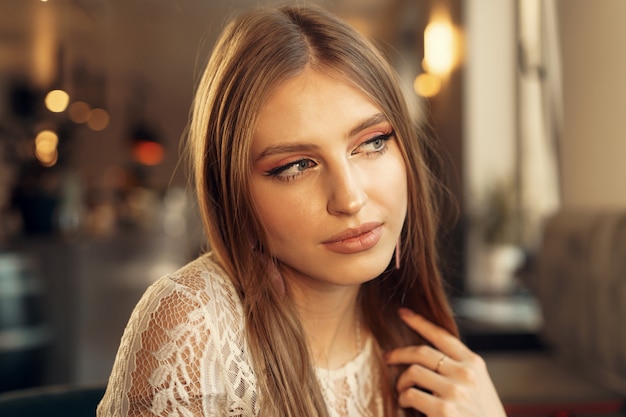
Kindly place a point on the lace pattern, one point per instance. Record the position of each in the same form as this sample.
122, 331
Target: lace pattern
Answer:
184, 353
353, 390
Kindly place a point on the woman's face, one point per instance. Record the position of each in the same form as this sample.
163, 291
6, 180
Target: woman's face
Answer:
328, 181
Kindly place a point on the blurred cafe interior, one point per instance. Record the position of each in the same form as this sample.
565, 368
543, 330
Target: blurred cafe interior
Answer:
525, 98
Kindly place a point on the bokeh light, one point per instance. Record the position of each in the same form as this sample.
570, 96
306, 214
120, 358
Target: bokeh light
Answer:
98, 119
79, 112
427, 85
148, 152
57, 101
46, 144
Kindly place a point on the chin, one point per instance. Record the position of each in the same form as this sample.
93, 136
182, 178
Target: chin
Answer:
361, 271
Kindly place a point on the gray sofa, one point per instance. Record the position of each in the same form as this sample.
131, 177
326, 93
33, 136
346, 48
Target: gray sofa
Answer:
581, 287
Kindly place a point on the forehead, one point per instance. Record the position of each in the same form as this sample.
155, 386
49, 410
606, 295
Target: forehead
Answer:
311, 104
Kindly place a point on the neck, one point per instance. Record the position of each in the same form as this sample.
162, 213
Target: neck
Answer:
331, 322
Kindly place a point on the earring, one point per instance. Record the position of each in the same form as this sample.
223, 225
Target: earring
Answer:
397, 254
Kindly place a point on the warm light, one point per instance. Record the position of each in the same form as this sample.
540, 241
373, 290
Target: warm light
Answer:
427, 85
148, 152
46, 148
47, 159
440, 47
79, 112
44, 50
98, 119
57, 101
46, 141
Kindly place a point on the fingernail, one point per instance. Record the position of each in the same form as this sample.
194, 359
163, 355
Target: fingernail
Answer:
405, 312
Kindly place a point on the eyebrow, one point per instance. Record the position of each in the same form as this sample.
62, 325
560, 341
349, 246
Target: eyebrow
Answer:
307, 147
369, 122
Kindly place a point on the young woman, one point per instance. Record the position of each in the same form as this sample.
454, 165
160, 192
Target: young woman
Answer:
321, 293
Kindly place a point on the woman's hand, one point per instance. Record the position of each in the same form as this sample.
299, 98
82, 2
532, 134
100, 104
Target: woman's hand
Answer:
445, 380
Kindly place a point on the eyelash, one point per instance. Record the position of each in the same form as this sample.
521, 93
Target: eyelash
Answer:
278, 172
384, 138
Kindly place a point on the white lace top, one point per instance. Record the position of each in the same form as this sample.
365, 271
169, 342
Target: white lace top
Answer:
184, 353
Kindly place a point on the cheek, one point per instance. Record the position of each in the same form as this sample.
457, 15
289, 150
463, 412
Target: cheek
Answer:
391, 185
284, 215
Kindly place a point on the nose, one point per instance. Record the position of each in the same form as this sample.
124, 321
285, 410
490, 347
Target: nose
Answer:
347, 194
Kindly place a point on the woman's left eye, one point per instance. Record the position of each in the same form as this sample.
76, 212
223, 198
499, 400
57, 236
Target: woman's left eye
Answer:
375, 145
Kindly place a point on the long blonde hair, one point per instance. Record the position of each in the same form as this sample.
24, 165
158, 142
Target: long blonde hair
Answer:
255, 52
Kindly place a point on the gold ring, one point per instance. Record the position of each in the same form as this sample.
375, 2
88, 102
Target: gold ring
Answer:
441, 361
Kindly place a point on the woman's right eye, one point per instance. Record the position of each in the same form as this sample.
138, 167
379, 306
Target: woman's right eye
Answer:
292, 170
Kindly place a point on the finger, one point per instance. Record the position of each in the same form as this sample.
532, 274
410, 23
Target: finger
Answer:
421, 401
418, 376
423, 355
439, 337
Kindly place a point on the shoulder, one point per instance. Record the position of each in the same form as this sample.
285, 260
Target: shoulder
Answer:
170, 354
201, 279
184, 305
198, 270
198, 275
199, 288
182, 299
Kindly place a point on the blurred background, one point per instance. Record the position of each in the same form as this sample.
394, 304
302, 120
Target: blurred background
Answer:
524, 96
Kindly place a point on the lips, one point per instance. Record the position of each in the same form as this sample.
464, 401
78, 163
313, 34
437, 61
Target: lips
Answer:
355, 240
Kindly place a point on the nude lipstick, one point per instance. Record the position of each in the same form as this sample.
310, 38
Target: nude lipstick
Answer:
355, 240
